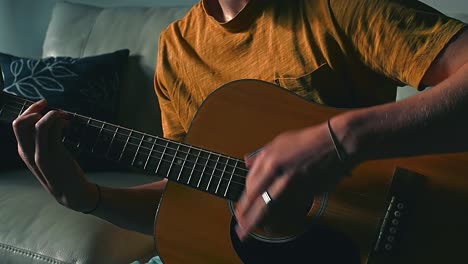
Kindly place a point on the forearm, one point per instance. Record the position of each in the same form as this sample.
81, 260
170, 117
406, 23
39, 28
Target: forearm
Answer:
132, 208
430, 122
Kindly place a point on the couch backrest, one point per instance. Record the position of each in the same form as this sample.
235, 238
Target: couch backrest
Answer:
78, 30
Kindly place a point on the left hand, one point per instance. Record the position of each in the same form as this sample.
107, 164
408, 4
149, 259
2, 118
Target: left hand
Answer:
292, 168
39, 136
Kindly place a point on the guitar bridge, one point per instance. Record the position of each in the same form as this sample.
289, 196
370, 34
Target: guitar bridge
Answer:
393, 226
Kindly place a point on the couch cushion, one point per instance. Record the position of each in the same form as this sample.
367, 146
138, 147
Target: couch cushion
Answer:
79, 30
34, 228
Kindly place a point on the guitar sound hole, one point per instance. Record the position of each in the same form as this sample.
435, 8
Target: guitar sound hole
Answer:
318, 245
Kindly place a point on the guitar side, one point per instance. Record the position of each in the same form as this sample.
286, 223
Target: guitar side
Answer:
239, 118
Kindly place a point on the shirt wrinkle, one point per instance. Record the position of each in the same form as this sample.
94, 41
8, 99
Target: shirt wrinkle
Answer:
368, 46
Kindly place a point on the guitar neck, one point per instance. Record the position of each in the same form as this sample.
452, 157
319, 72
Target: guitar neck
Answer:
201, 169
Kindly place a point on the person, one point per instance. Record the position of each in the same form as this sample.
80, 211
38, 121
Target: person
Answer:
334, 52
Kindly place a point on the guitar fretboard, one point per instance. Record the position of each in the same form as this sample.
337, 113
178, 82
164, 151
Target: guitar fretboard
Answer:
201, 169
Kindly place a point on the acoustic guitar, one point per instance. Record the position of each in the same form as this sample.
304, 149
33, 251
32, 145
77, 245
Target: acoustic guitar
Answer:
409, 210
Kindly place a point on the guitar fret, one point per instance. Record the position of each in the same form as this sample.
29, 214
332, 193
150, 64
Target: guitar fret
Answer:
10, 115
22, 108
236, 190
125, 145
4, 113
221, 177
86, 126
64, 138
212, 173
183, 163
230, 178
203, 170
193, 168
162, 157
138, 149
150, 153
112, 141
97, 138
173, 160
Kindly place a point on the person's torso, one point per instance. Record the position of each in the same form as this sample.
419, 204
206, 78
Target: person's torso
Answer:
294, 44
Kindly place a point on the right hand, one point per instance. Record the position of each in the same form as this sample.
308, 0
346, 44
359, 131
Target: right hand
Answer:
39, 137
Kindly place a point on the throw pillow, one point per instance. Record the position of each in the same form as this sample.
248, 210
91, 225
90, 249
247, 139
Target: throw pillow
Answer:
88, 86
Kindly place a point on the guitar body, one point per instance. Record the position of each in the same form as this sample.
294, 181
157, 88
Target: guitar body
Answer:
241, 117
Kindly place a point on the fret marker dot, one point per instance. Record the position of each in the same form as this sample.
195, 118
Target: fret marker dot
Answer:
179, 162
149, 139
140, 163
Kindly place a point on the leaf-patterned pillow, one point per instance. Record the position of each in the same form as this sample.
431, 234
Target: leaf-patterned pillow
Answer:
88, 86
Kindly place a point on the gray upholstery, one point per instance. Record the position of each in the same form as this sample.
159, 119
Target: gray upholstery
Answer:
79, 30
34, 228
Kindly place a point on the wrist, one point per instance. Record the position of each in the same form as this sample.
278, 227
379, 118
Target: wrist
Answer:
348, 130
340, 152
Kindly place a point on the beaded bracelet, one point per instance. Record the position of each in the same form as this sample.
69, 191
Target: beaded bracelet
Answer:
98, 202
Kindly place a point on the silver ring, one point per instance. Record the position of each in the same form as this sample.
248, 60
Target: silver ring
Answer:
266, 197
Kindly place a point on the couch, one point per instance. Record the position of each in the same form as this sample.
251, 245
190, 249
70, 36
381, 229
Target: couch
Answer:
34, 228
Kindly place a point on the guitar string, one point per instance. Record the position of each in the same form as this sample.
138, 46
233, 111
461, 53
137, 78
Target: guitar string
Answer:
170, 155
231, 184
175, 156
75, 115
233, 175
202, 174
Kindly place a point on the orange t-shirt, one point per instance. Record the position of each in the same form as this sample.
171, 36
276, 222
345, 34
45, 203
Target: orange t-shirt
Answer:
335, 52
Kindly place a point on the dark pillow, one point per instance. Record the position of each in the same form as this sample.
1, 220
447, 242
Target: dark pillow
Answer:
88, 86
